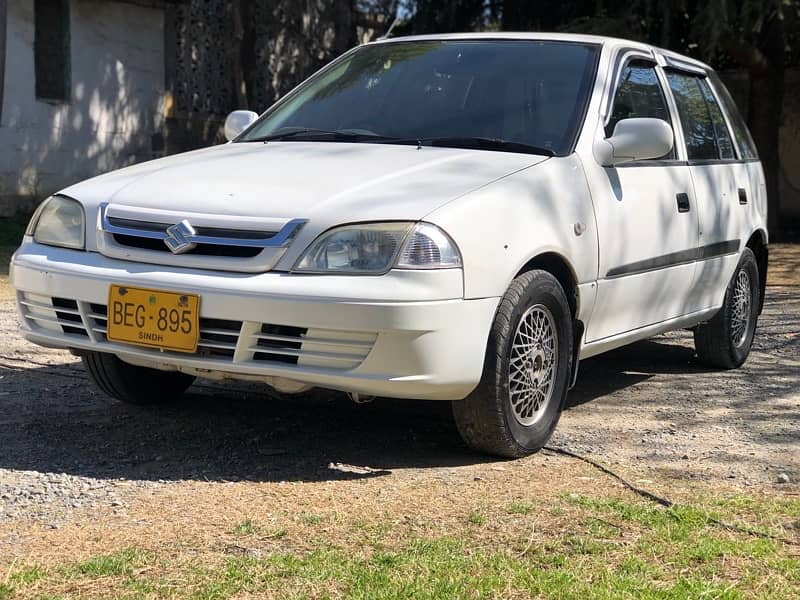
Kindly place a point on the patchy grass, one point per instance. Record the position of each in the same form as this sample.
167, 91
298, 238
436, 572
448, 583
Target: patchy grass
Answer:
246, 527
106, 565
598, 547
519, 508
476, 518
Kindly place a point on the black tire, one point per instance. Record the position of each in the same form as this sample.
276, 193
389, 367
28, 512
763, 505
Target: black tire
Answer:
486, 419
132, 384
719, 342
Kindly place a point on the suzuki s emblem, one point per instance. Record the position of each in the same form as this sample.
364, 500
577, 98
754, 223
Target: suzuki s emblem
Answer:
178, 237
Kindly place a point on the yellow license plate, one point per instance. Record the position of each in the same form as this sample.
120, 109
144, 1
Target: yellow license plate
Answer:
165, 320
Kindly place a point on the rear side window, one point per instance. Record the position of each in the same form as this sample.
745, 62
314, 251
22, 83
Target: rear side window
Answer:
638, 94
723, 135
698, 126
747, 149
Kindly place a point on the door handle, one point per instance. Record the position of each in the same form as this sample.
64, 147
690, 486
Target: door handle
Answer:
742, 196
683, 202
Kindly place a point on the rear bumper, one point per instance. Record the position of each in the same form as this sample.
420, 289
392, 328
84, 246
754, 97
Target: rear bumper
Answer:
406, 334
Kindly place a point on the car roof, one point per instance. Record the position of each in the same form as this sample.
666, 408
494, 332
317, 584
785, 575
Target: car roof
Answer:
611, 42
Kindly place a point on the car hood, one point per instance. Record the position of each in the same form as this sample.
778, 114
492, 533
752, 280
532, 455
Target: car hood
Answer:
324, 182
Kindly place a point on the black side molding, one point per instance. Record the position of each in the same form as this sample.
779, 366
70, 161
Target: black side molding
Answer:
676, 258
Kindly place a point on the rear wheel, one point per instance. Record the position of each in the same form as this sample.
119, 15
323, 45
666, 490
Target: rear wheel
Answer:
516, 406
725, 340
131, 384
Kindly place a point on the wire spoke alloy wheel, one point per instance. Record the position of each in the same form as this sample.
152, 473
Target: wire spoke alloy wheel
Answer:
533, 365
740, 308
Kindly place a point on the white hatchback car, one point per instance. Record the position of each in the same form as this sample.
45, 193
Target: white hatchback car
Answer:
452, 217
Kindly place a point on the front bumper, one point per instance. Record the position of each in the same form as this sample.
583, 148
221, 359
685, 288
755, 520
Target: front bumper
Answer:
406, 334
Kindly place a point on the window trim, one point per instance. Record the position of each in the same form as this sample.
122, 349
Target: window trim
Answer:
625, 56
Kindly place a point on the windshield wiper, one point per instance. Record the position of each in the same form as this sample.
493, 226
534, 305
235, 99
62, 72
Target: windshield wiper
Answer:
485, 143
481, 143
313, 133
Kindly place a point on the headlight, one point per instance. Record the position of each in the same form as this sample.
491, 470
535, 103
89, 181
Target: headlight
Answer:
58, 221
374, 248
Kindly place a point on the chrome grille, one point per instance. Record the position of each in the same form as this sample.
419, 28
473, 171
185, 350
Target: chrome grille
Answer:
203, 241
223, 340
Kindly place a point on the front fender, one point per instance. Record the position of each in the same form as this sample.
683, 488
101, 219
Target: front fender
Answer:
499, 228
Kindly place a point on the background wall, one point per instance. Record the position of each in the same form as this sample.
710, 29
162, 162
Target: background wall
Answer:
115, 108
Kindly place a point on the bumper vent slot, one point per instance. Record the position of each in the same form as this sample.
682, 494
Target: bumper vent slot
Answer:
279, 343
223, 341
53, 314
218, 338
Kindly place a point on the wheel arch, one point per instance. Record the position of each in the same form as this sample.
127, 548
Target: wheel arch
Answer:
758, 244
560, 268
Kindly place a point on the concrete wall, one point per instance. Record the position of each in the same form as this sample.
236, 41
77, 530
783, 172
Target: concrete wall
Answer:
116, 104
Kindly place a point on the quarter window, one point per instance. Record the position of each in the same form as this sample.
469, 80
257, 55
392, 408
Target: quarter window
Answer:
705, 139
639, 94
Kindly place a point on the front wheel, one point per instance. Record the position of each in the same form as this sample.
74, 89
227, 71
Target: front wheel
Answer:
517, 403
725, 340
131, 384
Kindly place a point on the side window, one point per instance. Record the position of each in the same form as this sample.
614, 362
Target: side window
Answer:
747, 148
638, 94
724, 143
698, 127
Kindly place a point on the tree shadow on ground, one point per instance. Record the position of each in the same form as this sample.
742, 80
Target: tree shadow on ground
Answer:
53, 420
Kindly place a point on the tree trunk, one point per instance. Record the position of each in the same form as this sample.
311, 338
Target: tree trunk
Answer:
765, 111
237, 55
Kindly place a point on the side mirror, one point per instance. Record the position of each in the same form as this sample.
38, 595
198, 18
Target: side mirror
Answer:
237, 122
637, 138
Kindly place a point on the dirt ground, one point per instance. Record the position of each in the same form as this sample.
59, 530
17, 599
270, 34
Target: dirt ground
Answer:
73, 462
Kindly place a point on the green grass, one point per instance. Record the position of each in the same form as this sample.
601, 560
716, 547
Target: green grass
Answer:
602, 548
519, 508
246, 527
106, 565
476, 518
310, 519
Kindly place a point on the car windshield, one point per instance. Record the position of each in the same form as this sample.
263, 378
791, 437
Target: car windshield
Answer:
495, 95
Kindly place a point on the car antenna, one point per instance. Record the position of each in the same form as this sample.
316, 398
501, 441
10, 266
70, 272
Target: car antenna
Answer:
388, 33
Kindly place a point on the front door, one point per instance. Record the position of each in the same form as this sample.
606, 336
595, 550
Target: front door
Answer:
647, 222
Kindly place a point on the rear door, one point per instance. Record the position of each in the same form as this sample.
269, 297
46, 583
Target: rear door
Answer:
721, 183
646, 218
